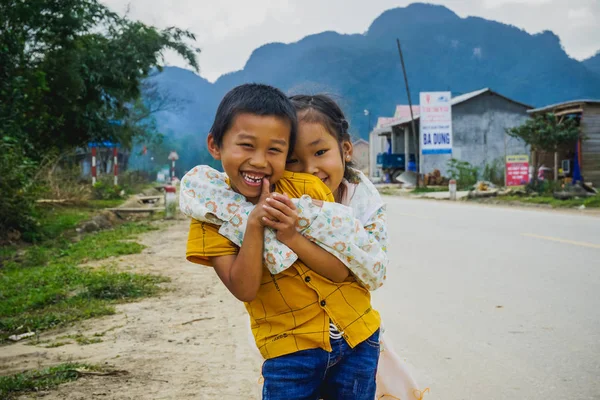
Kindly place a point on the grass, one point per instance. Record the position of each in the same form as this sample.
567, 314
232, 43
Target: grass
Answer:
429, 189
99, 204
33, 381
56, 220
46, 288
590, 202
82, 339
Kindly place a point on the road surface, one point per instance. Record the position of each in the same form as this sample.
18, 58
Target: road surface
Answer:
493, 302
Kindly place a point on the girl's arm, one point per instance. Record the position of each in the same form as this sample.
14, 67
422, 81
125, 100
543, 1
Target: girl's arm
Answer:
206, 196
283, 219
339, 236
363, 249
205, 193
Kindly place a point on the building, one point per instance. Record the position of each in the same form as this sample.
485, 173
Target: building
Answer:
581, 160
360, 155
479, 123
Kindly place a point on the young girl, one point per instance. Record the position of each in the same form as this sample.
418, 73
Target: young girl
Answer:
324, 150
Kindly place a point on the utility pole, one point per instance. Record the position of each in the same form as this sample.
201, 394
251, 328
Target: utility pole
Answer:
412, 118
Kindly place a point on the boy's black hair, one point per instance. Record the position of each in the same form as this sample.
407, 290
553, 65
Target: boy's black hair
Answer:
257, 99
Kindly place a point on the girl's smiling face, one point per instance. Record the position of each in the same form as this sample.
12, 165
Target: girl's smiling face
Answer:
318, 152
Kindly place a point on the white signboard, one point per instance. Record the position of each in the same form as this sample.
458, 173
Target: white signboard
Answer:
173, 156
436, 123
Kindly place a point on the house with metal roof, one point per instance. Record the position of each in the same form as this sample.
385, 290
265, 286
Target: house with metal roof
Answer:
581, 160
479, 123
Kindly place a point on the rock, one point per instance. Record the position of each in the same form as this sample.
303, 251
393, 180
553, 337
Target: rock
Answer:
478, 194
589, 188
408, 177
16, 338
104, 220
483, 186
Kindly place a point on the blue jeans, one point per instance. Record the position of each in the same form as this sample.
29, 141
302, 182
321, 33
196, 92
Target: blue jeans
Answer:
313, 374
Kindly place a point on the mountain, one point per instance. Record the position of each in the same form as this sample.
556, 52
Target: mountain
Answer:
593, 63
442, 51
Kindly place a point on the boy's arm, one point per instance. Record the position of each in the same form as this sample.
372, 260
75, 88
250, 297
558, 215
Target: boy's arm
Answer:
242, 273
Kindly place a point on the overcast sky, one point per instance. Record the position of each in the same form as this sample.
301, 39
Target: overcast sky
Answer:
229, 30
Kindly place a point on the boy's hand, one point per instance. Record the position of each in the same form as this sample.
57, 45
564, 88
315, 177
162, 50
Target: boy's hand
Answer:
259, 214
282, 217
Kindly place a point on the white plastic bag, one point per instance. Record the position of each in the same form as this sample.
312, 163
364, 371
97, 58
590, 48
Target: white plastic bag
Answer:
394, 380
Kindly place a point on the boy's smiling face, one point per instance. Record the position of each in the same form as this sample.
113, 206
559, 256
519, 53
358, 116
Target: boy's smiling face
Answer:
253, 148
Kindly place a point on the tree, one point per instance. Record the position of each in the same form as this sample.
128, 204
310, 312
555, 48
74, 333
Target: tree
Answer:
71, 68
546, 133
71, 72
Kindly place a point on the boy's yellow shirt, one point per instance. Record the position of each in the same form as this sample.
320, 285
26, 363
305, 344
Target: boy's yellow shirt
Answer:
292, 309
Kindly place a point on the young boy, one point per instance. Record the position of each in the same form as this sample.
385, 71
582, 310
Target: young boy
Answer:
290, 312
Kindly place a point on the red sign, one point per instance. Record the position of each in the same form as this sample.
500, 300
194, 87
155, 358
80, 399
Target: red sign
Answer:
517, 170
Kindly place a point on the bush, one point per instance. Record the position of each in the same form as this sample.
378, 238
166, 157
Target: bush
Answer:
544, 187
63, 181
463, 172
494, 172
129, 182
105, 189
19, 191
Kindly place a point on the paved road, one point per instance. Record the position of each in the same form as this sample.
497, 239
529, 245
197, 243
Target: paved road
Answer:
494, 303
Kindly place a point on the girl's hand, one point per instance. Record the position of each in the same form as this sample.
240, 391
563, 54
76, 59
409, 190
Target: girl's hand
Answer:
282, 217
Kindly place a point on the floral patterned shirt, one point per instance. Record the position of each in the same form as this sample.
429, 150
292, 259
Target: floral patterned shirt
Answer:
355, 232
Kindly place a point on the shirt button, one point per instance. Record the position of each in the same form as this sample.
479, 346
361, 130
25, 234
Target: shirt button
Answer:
307, 279
323, 303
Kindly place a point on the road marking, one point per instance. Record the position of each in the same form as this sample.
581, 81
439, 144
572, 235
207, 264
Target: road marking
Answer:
559, 240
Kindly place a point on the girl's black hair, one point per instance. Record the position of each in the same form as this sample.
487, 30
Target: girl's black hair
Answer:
323, 110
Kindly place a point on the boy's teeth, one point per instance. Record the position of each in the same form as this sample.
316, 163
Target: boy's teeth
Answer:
253, 178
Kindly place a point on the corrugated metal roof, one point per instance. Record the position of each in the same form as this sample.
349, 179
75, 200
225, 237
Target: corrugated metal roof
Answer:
403, 111
563, 104
380, 131
468, 96
456, 100
381, 121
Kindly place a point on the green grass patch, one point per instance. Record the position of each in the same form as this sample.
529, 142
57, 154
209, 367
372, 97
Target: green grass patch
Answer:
56, 220
589, 202
47, 288
44, 379
100, 204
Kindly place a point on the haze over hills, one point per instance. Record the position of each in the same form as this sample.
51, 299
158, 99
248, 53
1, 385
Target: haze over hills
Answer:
362, 71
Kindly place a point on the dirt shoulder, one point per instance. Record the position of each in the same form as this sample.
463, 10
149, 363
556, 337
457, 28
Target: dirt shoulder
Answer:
191, 342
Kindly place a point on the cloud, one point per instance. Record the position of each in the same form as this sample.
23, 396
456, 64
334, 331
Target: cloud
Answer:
499, 3
229, 30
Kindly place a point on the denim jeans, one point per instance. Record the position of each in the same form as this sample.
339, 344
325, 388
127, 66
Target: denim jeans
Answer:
313, 374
